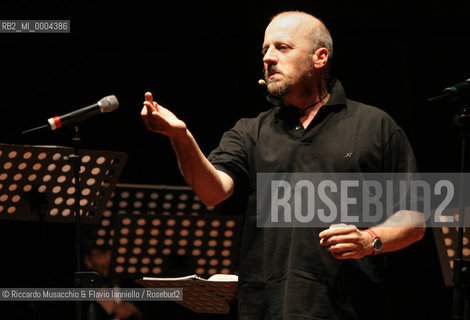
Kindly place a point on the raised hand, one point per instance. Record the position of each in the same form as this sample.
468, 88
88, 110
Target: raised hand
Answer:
161, 120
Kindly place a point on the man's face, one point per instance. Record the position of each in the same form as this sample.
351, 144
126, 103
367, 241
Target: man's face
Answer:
288, 55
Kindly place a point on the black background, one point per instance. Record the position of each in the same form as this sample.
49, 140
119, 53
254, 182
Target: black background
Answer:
203, 60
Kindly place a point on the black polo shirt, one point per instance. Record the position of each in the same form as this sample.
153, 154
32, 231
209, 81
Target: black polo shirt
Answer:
284, 272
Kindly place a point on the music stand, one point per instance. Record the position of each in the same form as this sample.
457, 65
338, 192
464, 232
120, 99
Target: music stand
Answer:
40, 178
168, 231
57, 184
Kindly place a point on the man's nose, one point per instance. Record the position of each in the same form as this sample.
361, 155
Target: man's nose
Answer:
270, 56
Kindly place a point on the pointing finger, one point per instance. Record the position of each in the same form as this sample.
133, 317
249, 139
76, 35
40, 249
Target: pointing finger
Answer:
150, 108
149, 97
153, 105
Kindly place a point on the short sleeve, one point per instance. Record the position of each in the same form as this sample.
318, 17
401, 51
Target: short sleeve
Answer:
398, 154
231, 156
400, 160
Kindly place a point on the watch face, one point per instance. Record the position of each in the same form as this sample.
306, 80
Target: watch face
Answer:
377, 244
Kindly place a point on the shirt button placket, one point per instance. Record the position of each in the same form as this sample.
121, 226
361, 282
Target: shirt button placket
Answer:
299, 130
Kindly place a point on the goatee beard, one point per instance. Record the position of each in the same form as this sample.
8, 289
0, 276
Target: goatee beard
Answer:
278, 89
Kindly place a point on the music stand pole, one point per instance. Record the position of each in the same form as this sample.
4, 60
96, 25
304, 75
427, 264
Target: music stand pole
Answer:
88, 277
75, 159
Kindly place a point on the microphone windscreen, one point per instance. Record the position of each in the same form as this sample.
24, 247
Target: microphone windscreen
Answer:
108, 103
261, 82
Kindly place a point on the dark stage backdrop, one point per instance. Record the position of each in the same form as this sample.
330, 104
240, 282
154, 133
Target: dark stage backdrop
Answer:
202, 60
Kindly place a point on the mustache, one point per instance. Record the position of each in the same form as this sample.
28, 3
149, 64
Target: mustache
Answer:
270, 69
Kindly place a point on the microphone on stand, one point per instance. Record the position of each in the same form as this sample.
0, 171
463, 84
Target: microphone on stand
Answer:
456, 91
107, 104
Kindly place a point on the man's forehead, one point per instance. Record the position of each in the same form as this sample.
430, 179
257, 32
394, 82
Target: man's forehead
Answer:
291, 25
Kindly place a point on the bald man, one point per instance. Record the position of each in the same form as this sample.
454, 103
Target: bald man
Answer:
300, 273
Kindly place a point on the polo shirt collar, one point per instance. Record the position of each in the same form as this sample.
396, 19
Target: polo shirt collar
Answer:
335, 88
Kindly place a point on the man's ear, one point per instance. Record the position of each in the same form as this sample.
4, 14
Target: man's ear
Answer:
320, 58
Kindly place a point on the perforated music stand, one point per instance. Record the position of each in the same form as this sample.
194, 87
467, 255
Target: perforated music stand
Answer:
446, 239
40, 179
168, 231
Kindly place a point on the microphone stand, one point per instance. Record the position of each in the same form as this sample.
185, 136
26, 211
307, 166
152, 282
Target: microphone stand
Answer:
461, 268
106, 104
81, 279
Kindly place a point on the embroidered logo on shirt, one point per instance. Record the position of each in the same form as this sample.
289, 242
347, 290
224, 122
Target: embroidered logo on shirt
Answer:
349, 154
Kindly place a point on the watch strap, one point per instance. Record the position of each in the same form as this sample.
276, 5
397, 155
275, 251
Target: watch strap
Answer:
374, 236
372, 233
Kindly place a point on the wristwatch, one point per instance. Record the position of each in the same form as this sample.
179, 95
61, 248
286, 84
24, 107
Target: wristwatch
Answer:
376, 241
